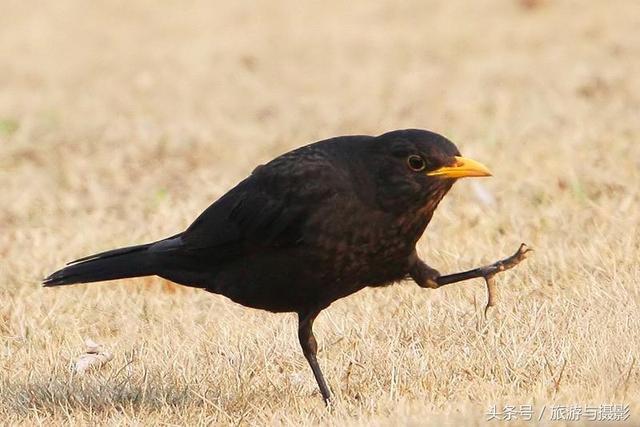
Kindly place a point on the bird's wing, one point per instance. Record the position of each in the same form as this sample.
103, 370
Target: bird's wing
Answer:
267, 209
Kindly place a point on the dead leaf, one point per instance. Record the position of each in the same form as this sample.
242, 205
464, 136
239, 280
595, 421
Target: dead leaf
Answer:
95, 357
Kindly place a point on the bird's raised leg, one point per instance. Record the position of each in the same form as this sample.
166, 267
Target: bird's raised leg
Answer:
310, 348
427, 277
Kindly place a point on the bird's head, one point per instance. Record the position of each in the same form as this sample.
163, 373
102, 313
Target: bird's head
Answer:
415, 169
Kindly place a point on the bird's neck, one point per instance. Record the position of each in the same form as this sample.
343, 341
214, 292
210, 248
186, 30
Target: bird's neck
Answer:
425, 211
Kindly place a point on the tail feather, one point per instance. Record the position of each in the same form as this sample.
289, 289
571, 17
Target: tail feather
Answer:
120, 263
110, 253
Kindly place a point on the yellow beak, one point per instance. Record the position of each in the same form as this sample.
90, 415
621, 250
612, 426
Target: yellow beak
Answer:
462, 168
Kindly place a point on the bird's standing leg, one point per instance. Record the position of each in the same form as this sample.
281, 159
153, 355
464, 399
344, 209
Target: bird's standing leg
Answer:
427, 277
310, 348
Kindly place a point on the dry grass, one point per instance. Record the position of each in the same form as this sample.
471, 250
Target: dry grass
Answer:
121, 121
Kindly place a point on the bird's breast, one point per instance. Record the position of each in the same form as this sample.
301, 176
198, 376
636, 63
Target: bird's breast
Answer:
366, 248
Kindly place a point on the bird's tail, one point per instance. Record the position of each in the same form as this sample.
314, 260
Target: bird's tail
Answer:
122, 263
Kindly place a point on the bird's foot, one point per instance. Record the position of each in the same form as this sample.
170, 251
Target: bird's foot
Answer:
491, 270
488, 273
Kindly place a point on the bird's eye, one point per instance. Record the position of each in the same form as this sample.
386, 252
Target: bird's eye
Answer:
416, 163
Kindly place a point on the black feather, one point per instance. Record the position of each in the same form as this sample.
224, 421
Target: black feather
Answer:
121, 263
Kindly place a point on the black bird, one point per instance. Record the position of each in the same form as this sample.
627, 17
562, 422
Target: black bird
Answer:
311, 226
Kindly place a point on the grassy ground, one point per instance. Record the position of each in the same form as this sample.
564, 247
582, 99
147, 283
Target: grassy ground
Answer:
121, 121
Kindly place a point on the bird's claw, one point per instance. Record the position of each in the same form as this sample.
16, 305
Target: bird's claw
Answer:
499, 266
506, 264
